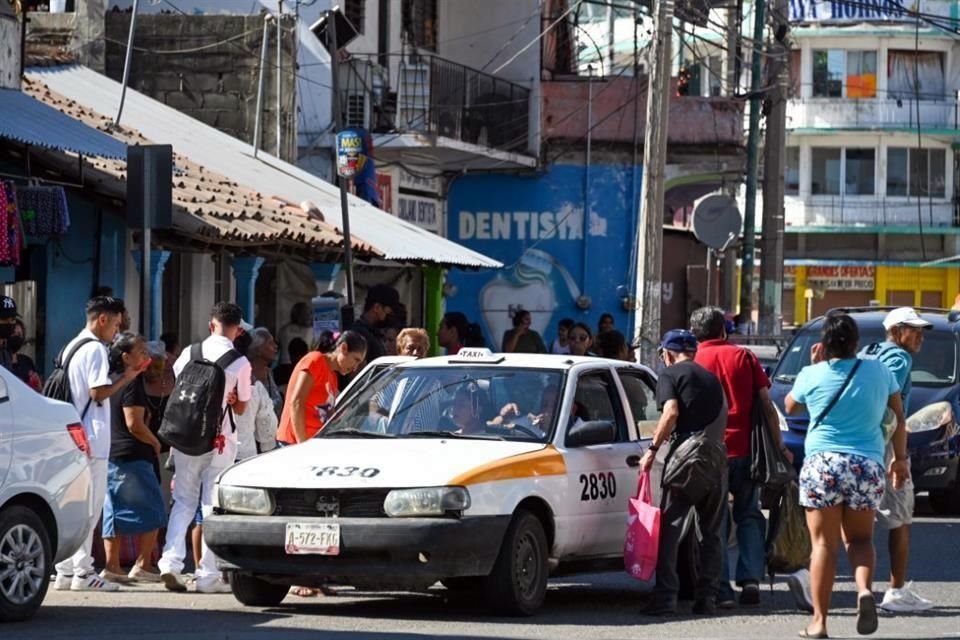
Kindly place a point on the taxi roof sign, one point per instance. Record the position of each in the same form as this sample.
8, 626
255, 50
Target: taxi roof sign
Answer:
477, 354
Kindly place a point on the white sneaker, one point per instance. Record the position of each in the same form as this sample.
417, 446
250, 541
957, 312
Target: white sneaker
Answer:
213, 586
62, 582
904, 600
799, 583
173, 582
139, 574
92, 582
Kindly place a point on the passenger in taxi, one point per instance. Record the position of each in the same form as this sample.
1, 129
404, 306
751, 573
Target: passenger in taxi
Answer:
467, 411
511, 415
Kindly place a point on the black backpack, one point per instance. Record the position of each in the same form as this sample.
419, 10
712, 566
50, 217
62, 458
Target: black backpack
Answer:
194, 415
57, 385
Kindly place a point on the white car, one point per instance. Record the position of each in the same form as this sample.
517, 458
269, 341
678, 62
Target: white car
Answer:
45, 497
484, 471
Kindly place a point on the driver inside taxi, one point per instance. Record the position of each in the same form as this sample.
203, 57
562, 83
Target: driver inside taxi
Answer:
510, 414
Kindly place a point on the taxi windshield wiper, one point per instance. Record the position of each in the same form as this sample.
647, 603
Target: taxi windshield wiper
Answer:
354, 433
451, 434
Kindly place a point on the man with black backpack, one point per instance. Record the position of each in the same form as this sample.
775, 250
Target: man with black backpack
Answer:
213, 384
82, 378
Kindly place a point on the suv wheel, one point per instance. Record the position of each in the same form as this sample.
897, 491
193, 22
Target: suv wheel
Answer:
254, 592
25, 559
518, 583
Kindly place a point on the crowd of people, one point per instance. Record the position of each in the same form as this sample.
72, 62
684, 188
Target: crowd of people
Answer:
280, 393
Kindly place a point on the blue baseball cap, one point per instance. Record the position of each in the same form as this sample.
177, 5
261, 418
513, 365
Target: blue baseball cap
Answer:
679, 340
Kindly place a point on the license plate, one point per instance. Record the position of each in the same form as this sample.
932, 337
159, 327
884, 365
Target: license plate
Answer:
317, 539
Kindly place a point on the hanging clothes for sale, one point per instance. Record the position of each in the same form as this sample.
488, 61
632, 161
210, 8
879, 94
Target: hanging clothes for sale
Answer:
10, 231
43, 210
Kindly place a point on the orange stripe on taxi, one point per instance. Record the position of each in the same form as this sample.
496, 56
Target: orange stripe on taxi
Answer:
546, 462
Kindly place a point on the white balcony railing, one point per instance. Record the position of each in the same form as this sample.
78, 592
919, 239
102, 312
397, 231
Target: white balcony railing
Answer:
860, 211
833, 113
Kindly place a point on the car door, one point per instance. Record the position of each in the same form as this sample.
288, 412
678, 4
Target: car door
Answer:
639, 387
599, 477
6, 430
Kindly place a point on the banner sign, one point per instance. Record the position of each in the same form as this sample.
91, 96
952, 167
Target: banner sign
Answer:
423, 212
864, 10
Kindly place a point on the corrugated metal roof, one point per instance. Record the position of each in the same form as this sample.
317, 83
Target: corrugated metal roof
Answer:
30, 121
207, 205
395, 239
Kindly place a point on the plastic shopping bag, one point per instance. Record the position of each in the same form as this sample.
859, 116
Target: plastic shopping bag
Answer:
643, 533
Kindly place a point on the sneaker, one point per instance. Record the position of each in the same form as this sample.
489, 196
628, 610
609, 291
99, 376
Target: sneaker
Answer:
799, 583
92, 582
62, 582
119, 578
213, 586
139, 574
173, 582
904, 600
727, 602
705, 607
750, 595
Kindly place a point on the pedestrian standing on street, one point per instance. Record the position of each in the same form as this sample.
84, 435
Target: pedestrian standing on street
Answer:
452, 332
744, 382
379, 307
313, 388
91, 387
262, 355
561, 345
842, 479
691, 401
257, 426
905, 329
134, 504
194, 476
581, 340
21, 364
522, 339
605, 324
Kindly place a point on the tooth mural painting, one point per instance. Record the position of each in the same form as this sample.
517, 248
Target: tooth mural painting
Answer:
555, 248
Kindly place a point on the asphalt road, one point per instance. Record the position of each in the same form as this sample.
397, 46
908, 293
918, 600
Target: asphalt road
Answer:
598, 606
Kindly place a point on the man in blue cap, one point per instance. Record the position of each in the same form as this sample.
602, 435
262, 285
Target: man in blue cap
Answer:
692, 401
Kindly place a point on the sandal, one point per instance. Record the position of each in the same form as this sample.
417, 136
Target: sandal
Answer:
866, 614
819, 635
304, 592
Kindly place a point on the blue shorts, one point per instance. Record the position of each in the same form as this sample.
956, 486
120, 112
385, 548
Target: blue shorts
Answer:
829, 479
134, 504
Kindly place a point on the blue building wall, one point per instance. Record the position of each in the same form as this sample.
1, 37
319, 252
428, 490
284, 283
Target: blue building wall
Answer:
64, 268
553, 253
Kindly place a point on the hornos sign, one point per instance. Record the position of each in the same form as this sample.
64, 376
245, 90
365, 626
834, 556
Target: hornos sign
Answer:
864, 10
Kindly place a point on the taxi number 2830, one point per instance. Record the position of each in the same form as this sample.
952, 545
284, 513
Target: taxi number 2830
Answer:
597, 486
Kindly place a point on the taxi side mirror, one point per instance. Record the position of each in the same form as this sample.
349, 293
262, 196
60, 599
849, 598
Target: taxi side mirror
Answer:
585, 434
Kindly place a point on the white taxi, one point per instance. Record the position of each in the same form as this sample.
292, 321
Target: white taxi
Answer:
484, 471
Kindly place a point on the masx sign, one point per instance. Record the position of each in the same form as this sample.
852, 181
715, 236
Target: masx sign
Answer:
553, 253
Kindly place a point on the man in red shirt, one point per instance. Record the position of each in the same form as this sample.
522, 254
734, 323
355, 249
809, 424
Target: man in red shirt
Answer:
744, 382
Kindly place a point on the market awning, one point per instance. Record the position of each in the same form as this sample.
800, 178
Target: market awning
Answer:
27, 120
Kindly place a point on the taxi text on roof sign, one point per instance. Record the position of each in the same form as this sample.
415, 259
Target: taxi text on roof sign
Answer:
476, 354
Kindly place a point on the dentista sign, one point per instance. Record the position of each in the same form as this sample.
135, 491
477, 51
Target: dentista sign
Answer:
863, 10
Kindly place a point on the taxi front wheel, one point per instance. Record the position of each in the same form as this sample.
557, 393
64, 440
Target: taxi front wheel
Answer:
518, 583
254, 592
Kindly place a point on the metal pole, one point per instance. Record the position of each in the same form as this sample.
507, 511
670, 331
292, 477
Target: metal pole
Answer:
709, 265
774, 161
261, 83
126, 63
338, 123
279, 70
753, 144
586, 176
649, 261
149, 189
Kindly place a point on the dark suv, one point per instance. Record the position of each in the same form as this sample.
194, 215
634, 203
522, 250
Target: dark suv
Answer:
934, 446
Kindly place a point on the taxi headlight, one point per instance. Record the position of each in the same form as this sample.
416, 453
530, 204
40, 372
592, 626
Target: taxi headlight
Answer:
256, 502
429, 501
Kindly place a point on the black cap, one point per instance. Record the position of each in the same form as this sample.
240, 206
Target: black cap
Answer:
384, 295
8, 307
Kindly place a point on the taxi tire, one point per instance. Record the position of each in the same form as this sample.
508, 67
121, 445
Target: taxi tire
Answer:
22, 534
522, 559
254, 592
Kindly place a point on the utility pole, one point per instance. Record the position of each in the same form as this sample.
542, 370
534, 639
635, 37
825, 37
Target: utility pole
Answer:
753, 149
279, 75
774, 161
650, 238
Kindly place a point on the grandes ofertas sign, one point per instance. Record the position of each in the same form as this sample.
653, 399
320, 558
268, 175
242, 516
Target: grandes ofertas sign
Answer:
864, 10
834, 278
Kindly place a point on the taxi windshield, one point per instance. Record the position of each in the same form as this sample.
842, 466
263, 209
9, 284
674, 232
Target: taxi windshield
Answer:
499, 403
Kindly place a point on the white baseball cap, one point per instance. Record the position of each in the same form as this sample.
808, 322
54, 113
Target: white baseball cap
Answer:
907, 316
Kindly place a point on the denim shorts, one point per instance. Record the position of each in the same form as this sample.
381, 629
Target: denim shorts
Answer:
134, 504
829, 479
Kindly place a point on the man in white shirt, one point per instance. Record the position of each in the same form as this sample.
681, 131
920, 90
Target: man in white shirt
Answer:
194, 476
91, 387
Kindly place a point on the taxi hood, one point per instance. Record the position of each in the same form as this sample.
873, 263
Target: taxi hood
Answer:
337, 463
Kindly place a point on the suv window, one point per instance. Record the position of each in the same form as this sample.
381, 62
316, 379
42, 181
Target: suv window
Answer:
597, 398
934, 366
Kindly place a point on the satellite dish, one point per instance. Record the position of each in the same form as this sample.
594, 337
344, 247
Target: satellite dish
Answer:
716, 221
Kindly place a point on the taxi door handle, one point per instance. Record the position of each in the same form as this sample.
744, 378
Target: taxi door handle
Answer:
633, 461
